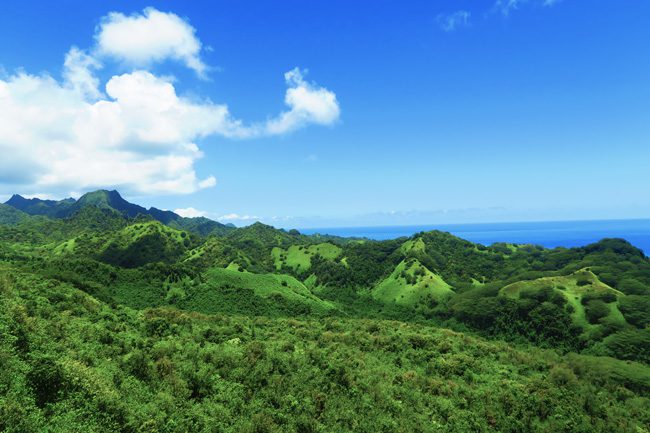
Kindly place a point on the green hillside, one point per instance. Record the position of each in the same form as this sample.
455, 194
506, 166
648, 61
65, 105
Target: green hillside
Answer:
71, 363
145, 242
10, 215
112, 319
412, 284
233, 289
298, 257
413, 246
583, 291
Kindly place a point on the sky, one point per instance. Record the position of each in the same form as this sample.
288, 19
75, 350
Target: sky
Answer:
332, 113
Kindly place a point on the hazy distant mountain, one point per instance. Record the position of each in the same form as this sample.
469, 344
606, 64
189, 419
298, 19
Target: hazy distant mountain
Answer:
105, 199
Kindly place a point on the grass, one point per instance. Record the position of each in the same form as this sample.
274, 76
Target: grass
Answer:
298, 257
411, 283
414, 245
65, 247
267, 286
574, 287
135, 232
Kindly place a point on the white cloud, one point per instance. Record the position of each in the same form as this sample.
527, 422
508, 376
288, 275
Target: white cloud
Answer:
133, 132
153, 36
190, 212
42, 196
78, 73
454, 20
308, 103
139, 138
237, 217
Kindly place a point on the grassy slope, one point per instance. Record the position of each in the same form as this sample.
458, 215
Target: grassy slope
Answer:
206, 296
396, 288
413, 245
299, 257
145, 242
573, 291
65, 247
215, 252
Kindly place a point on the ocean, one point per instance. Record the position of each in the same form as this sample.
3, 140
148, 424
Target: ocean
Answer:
548, 234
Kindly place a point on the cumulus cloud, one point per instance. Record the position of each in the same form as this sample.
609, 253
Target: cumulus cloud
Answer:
152, 36
454, 20
190, 212
133, 132
139, 138
307, 103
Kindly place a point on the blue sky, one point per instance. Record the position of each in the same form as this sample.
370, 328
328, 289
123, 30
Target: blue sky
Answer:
444, 112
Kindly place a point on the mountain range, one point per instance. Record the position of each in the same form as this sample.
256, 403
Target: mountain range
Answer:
112, 200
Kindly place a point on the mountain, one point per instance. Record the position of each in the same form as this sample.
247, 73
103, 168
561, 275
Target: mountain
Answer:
112, 200
36, 206
104, 199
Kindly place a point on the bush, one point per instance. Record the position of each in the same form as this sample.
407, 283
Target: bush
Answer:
636, 310
562, 376
606, 297
632, 345
630, 286
175, 295
596, 310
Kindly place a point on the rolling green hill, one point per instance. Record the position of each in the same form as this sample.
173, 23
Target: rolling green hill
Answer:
118, 318
412, 284
583, 291
145, 242
72, 363
233, 288
298, 257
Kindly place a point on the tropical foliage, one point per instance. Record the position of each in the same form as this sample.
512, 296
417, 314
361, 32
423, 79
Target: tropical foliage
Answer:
118, 318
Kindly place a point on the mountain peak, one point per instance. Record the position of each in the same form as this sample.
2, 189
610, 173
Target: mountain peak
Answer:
111, 200
15, 199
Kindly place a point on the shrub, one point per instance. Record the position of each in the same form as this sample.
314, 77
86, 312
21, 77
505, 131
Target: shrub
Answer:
636, 310
596, 310
630, 286
175, 295
562, 376
631, 345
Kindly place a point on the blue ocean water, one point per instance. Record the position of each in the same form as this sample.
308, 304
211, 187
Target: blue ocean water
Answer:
548, 234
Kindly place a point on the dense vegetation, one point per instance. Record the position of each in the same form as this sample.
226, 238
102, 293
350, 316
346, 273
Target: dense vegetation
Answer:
118, 318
